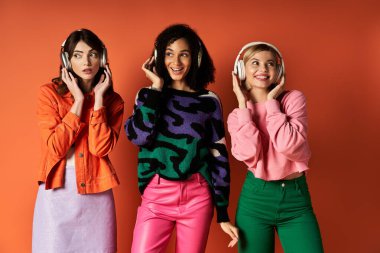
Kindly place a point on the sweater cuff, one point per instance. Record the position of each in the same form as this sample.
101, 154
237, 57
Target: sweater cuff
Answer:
98, 116
222, 214
272, 106
153, 98
243, 115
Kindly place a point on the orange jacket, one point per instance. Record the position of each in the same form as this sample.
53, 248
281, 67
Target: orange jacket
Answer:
94, 135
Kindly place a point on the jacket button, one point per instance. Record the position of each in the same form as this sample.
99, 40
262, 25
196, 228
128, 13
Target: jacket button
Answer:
83, 184
80, 154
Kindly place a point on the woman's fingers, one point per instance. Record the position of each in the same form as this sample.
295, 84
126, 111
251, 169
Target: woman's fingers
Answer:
233, 242
108, 70
71, 77
234, 79
234, 235
151, 60
232, 231
146, 64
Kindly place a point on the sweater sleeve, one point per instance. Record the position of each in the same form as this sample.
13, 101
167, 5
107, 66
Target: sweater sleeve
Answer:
287, 126
245, 136
220, 170
140, 126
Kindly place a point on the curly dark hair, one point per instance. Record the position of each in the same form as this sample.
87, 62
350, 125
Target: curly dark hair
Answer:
70, 43
199, 76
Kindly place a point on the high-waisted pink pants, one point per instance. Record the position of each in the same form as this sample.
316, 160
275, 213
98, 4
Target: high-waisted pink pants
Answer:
184, 205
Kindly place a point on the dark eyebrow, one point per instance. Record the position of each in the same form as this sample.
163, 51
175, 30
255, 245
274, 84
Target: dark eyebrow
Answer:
78, 51
185, 50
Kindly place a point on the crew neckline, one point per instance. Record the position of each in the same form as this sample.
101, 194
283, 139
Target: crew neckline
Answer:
184, 92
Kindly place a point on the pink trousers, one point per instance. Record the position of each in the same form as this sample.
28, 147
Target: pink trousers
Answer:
184, 205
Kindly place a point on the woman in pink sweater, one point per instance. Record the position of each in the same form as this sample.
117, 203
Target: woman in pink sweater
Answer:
269, 134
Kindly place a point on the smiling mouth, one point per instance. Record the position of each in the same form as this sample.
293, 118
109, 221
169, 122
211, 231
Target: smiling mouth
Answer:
262, 77
177, 70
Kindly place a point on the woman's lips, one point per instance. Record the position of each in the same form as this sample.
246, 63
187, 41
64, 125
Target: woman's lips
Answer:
87, 71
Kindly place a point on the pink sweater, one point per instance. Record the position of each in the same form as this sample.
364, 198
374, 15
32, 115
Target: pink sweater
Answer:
271, 137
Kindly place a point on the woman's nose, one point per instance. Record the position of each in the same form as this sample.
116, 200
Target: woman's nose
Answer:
177, 59
86, 61
263, 67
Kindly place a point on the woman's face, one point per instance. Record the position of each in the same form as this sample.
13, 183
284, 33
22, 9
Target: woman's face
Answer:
261, 70
178, 59
85, 61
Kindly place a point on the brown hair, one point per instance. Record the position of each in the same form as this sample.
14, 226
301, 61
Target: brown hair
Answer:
90, 39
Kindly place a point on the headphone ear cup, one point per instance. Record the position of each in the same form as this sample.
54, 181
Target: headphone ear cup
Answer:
200, 54
240, 70
155, 55
103, 61
280, 73
65, 60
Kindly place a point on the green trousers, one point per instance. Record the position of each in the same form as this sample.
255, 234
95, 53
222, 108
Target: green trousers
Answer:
283, 206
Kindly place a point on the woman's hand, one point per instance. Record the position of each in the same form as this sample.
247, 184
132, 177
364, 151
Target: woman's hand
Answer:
104, 83
157, 82
240, 94
276, 91
72, 84
232, 231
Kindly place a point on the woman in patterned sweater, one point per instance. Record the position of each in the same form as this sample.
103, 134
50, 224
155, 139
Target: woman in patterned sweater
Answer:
183, 169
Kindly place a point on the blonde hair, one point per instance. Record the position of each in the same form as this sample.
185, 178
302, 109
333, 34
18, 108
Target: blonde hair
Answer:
259, 48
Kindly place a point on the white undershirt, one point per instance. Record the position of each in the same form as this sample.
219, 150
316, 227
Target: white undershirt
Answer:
70, 158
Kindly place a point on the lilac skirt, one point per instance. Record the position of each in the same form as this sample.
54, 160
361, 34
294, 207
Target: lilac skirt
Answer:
65, 221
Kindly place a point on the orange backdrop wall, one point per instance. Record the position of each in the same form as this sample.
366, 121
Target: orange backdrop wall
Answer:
331, 51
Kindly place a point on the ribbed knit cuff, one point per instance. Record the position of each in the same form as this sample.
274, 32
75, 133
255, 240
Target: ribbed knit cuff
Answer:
222, 214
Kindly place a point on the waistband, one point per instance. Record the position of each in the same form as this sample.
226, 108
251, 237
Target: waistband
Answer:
295, 181
196, 177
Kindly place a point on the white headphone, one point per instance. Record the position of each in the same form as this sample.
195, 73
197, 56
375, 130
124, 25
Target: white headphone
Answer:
200, 53
239, 68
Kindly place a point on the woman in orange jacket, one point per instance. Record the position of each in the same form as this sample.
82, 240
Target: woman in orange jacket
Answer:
79, 117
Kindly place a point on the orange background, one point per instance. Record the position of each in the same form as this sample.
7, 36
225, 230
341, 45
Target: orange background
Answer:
331, 51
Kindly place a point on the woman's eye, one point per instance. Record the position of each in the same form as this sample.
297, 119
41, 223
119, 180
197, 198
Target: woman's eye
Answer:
94, 55
255, 63
168, 54
185, 55
77, 56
